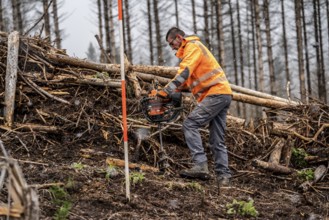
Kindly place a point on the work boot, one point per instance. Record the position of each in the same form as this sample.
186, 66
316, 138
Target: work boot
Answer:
198, 171
223, 180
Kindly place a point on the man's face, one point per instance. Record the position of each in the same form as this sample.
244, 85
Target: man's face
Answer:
175, 42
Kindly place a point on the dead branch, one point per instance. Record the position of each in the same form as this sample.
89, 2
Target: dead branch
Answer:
121, 163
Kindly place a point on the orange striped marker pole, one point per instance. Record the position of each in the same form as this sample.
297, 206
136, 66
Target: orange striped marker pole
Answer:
123, 95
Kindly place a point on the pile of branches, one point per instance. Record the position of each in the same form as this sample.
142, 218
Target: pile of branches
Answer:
65, 101
81, 100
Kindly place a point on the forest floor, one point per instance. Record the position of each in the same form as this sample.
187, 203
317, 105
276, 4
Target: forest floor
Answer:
69, 170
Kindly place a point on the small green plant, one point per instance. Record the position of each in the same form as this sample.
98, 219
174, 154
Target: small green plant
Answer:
60, 198
111, 171
70, 184
63, 211
242, 208
77, 166
136, 178
307, 174
195, 186
298, 157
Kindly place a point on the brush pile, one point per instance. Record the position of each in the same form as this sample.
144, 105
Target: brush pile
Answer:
71, 108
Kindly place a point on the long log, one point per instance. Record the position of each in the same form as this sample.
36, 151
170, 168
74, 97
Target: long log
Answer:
161, 73
150, 77
102, 67
269, 103
260, 94
259, 101
169, 72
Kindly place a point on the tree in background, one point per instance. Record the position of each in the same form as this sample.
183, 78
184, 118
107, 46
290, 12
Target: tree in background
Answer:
46, 19
2, 22
91, 53
17, 15
57, 31
128, 32
158, 32
299, 42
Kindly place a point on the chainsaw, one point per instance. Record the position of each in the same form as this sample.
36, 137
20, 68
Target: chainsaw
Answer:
158, 110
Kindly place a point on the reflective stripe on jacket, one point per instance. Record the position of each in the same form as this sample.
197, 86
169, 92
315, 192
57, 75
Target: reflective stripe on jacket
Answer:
198, 71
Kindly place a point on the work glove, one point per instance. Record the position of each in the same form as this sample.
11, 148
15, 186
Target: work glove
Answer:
176, 98
158, 93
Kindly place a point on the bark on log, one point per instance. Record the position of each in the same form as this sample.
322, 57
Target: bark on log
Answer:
260, 94
113, 83
272, 167
259, 101
14, 213
275, 156
163, 71
150, 78
36, 127
287, 152
11, 77
137, 88
64, 59
99, 82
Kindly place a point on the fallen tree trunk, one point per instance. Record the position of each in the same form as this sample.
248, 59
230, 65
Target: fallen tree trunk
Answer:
276, 168
260, 94
269, 103
259, 101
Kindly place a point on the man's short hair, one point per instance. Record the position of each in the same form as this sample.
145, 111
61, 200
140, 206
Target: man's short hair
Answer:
173, 32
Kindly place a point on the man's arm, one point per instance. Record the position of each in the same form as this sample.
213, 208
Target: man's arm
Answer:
186, 67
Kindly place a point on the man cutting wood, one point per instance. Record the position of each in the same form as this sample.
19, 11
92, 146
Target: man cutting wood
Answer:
201, 74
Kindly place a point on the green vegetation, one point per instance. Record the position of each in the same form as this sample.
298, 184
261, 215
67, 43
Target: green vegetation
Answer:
136, 177
111, 171
298, 157
77, 166
307, 174
242, 208
195, 186
61, 198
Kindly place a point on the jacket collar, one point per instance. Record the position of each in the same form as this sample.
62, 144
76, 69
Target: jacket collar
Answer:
186, 39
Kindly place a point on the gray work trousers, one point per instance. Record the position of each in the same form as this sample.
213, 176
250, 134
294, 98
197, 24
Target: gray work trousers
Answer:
213, 110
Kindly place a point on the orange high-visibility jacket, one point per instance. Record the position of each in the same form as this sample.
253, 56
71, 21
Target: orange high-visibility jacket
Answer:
198, 71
